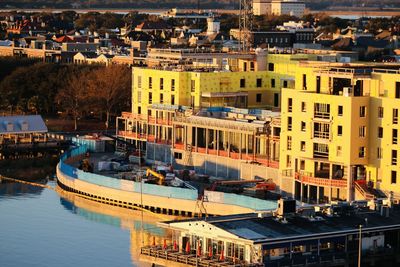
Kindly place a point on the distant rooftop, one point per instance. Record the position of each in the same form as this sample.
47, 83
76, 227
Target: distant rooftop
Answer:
22, 124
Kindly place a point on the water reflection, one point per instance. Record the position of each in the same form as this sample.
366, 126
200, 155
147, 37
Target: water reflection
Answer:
8, 190
141, 225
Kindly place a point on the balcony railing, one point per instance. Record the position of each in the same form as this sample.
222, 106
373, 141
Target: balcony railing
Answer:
341, 183
129, 115
233, 155
134, 135
321, 135
322, 115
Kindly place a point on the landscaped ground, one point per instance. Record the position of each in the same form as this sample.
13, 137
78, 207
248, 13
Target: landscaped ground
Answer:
67, 125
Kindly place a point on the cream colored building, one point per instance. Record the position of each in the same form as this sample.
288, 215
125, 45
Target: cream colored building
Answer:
278, 7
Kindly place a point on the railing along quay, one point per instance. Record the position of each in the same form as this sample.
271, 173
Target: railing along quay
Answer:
191, 259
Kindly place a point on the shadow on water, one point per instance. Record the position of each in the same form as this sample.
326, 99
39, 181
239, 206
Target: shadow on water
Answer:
17, 189
29, 169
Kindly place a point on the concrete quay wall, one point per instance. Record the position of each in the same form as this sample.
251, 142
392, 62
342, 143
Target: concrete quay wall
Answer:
153, 203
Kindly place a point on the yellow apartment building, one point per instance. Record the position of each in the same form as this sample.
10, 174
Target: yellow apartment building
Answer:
338, 126
335, 140
197, 88
383, 168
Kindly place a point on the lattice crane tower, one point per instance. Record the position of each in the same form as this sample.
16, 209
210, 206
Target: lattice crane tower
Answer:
245, 24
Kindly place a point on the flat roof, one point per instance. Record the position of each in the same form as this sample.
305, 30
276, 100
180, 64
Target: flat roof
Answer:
270, 230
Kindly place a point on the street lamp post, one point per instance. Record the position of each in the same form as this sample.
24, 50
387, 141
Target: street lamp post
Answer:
359, 246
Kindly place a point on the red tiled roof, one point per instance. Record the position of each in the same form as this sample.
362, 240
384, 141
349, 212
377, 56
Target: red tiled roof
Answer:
63, 39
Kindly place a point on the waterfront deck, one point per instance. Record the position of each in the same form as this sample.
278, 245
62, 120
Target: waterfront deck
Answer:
172, 256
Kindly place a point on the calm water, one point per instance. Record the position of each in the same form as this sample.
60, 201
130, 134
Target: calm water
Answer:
42, 227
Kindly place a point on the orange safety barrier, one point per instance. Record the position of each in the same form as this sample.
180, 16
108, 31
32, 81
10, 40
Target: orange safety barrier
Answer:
321, 181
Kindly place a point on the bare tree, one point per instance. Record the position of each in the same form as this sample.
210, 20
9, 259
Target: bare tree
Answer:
109, 88
73, 95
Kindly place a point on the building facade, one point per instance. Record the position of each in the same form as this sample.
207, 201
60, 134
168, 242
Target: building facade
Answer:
278, 7
336, 140
335, 137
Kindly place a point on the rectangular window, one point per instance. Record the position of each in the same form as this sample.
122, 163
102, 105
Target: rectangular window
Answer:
161, 98
271, 66
394, 177
303, 107
322, 111
339, 151
318, 89
139, 96
192, 101
394, 157
276, 99
361, 152
321, 151
304, 82
394, 136
397, 89
285, 84
303, 146
380, 112
172, 100
150, 98
339, 130
258, 98
361, 131
340, 110
139, 81
193, 85
150, 83
242, 83
259, 82
273, 83
321, 130
139, 110
363, 111
289, 143
302, 165
177, 155
161, 83
290, 104
288, 161
380, 132
172, 84
379, 153
395, 116
289, 123
303, 126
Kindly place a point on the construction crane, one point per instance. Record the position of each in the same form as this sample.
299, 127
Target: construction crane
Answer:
245, 25
160, 177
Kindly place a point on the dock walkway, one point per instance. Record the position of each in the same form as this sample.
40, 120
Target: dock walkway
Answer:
191, 259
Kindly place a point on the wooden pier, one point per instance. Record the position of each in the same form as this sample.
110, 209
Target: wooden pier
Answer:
173, 257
